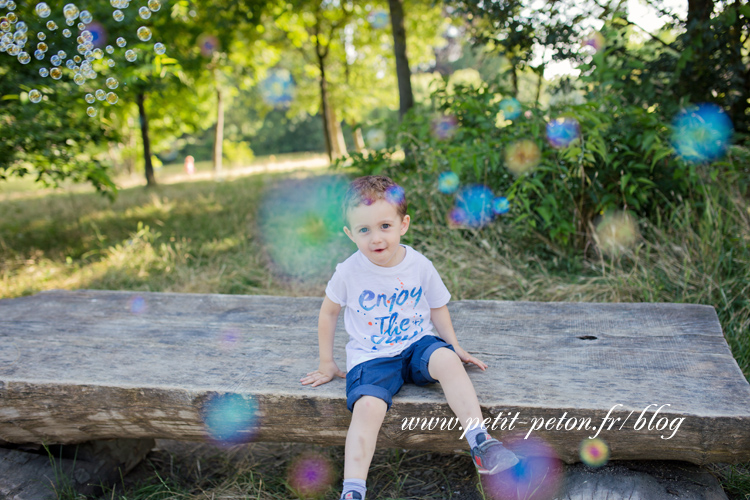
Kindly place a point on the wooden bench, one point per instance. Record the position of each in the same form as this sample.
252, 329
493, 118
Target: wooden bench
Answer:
91, 365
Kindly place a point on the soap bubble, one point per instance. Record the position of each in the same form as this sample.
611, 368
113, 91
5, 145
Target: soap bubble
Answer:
701, 133
61, 54
22, 27
475, 202
595, 41
39, 54
14, 50
51, 25
112, 82
35, 96
537, 476
376, 139
90, 98
111, 63
310, 475
118, 15
79, 79
81, 26
144, 34
278, 88
91, 111
159, 48
230, 418
66, 33
144, 13
11, 5
71, 64
97, 53
42, 46
511, 108
42, 10
561, 132
594, 452
110, 49
77, 59
208, 44
154, 5
24, 58
500, 205
378, 18
55, 60
394, 195
41, 36
71, 12
448, 182
121, 42
43, 72
130, 55
616, 232
444, 127
522, 156
111, 98
4, 24
86, 17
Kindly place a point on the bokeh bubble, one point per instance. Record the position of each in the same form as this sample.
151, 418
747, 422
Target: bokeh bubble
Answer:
51, 25
208, 44
38, 54
79, 79
43, 10
70, 12
118, 15
300, 222
35, 96
277, 89
90, 98
376, 139
616, 232
98, 53
98, 34
111, 63
42, 46
159, 48
230, 418
394, 195
121, 42
112, 98
500, 205
448, 182
310, 475
43, 72
11, 5
561, 132
12, 18
24, 58
594, 452
378, 19
475, 202
130, 55
154, 5
41, 36
144, 34
444, 127
537, 476
91, 111
81, 26
61, 54
22, 27
112, 83
510, 107
66, 33
109, 49
55, 73
86, 17
701, 133
522, 156
595, 40
100, 94
136, 304
144, 13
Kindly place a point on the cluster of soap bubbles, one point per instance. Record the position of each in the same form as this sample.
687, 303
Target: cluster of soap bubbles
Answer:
474, 206
562, 132
83, 65
510, 108
230, 418
310, 475
277, 89
594, 452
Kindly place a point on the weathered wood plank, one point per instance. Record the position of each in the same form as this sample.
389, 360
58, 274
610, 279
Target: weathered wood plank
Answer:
76, 366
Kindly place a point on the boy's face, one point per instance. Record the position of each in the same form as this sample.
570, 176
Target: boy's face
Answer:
376, 229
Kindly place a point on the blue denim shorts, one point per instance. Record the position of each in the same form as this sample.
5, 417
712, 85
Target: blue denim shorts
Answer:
383, 377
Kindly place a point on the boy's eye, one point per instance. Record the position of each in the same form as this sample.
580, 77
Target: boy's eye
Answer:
363, 230
386, 226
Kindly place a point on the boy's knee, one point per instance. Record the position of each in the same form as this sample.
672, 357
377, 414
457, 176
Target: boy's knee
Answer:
370, 404
443, 361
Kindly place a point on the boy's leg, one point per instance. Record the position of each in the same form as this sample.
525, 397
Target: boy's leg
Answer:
446, 367
367, 417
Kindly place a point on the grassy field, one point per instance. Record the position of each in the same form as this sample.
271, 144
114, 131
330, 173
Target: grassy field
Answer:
271, 234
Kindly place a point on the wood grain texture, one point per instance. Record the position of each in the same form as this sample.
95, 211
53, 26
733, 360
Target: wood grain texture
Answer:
83, 365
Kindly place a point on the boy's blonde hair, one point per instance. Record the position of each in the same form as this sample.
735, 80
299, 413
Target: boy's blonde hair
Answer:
370, 188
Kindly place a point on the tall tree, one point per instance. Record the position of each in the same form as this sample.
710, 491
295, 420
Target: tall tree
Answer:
406, 97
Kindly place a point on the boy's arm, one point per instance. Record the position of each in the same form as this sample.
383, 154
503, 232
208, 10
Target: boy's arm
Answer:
441, 319
327, 369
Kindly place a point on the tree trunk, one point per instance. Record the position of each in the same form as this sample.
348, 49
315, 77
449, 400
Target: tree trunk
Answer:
337, 134
406, 97
219, 133
359, 141
324, 111
514, 79
150, 179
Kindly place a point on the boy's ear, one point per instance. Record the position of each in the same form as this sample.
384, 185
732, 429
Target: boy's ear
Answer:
348, 233
405, 224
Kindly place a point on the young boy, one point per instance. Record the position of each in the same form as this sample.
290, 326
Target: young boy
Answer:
393, 297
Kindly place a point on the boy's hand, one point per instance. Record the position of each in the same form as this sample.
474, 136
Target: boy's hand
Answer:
468, 358
324, 373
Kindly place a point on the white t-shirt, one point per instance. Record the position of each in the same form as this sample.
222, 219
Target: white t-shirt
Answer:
387, 308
